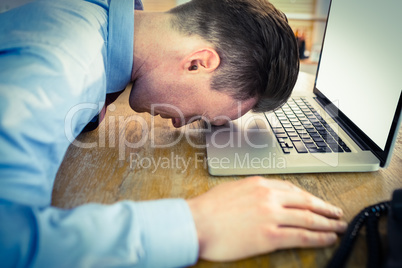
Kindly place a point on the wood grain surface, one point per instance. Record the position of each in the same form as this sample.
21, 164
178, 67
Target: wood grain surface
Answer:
119, 161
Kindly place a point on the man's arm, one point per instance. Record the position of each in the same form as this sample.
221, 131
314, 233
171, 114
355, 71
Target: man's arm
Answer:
126, 234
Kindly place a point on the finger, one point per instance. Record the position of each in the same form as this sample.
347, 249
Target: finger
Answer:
305, 200
310, 220
295, 237
292, 196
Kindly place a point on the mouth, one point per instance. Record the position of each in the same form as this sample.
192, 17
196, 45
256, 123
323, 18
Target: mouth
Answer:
176, 122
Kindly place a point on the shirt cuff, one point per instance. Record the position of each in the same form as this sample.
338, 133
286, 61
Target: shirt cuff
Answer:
169, 233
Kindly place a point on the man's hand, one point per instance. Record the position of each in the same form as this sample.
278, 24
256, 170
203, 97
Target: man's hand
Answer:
253, 216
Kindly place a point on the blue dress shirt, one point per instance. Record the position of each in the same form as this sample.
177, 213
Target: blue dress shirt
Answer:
58, 59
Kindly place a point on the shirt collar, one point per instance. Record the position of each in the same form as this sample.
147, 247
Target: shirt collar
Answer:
120, 43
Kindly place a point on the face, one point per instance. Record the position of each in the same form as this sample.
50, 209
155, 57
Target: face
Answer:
172, 98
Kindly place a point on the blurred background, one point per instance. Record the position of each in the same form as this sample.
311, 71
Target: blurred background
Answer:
306, 17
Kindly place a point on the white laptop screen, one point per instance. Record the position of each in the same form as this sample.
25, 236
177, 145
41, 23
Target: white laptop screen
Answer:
361, 63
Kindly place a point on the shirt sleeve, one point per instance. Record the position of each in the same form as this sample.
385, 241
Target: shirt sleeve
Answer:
51, 85
126, 234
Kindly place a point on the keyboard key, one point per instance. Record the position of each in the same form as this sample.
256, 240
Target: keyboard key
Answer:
311, 146
278, 130
283, 136
324, 149
321, 144
295, 138
320, 150
346, 149
304, 136
334, 135
308, 142
313, 150
299, 147
336, 148
323, 132
289, 144
317, 139
319, 117
330, 140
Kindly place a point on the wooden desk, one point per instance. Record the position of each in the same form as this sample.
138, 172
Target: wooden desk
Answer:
112, 170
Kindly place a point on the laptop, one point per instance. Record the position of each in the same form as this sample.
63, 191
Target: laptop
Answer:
349, 123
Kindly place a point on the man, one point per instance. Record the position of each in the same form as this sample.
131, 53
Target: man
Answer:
56, 56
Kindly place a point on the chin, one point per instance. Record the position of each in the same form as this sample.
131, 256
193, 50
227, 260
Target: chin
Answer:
133, 106
137, 109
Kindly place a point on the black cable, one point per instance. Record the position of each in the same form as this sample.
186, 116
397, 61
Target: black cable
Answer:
373, 236
371, 214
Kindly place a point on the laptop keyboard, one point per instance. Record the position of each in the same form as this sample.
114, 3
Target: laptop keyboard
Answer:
303, 129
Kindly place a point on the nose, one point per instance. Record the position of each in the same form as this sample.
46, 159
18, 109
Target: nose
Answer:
176, 122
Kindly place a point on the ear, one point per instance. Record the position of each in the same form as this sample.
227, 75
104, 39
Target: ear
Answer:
202, 60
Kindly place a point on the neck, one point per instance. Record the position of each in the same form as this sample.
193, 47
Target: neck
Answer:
150, 31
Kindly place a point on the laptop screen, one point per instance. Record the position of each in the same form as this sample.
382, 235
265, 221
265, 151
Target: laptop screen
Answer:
361, 64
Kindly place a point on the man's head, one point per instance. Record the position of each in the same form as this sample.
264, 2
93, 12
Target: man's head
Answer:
207, 55
257, 48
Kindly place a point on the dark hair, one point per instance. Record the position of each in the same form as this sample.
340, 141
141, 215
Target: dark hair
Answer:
257, 47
